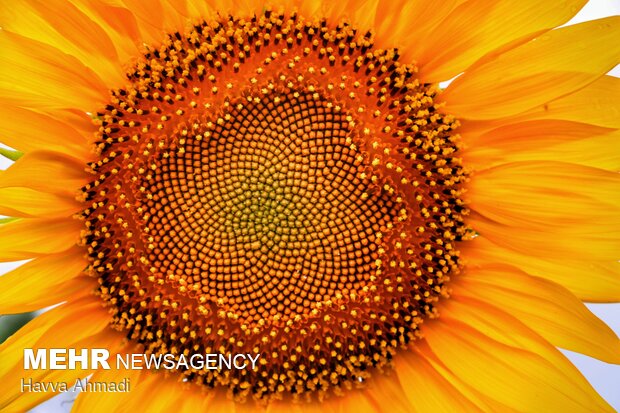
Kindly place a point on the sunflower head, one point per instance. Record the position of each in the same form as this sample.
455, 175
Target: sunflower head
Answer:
274, 185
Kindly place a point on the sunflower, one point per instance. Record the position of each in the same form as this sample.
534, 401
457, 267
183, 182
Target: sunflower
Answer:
291, 180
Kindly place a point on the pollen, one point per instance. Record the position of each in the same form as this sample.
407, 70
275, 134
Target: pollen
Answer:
280, 186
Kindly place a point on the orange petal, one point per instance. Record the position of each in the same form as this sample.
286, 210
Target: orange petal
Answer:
555, 64
481, 26
29, 238
44, 281
545, 307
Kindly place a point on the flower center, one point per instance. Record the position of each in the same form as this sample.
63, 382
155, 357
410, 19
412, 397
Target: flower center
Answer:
279, 186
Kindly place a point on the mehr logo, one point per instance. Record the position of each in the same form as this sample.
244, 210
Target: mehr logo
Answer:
63, 359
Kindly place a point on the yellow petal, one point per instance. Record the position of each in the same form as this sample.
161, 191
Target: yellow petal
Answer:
554, 140
356, 401
36, 74
538, 245
23, 403
118, 22
597, 104
286, 406
44, 281
523, 204
603, 278
28, 203
545, 307
76, 27
385, 388
479, 396
195, 399
353, 400
29, 238
360, 13
428, 390
219, 403
404, 24
27, 131
481, 26
46, 171
77, 324
554, 64
158, 392
498, 355
63, 26
156, 17
100, 340
110, 402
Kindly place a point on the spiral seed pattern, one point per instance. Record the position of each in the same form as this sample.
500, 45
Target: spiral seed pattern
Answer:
280, 186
